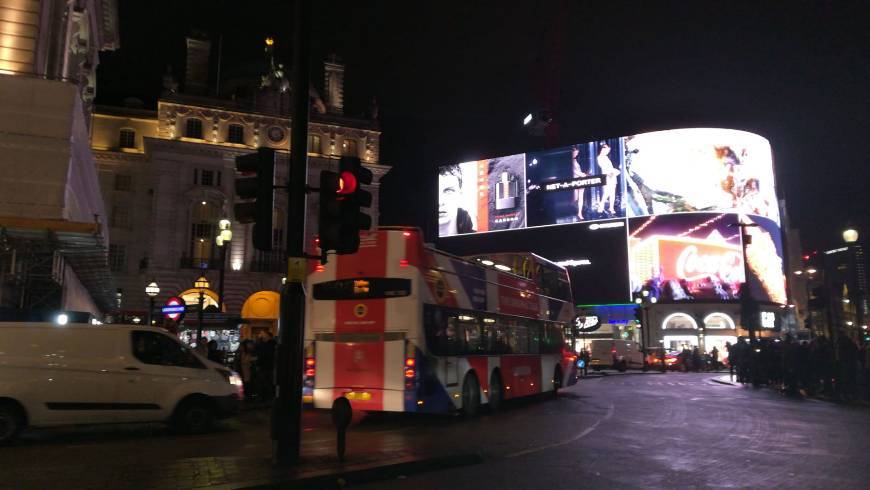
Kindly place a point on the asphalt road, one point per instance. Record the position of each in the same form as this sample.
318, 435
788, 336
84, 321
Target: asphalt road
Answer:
627, 431
673, 430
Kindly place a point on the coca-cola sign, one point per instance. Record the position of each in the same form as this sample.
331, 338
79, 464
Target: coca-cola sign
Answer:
693, 265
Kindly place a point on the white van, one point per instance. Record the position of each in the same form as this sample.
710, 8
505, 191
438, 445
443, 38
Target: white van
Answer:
54, 375
615, 354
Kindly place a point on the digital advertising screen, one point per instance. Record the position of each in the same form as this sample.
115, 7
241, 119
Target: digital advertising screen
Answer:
483, 195
655, 210
686, 257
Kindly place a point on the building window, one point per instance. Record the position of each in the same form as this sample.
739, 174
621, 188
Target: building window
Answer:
120, 216
207, 177
236, 134
313, 143
123, 182
127, 138
203, 231
117, 257
349, 148
194, 128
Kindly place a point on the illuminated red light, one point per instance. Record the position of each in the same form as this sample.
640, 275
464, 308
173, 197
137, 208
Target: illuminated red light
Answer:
410, 373
347, 183
403, 263
406, 233
309, 373
309, 362
410, 362
319, 268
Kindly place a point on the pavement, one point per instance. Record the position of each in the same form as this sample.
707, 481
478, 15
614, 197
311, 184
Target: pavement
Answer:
655, 430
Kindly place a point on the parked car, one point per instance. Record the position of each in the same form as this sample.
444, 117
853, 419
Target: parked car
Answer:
53, 375
614, 354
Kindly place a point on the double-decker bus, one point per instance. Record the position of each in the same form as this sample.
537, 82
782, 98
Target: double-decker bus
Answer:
399, 326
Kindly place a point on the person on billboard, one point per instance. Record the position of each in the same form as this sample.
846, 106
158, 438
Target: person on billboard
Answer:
452, 219
607, 168
577, 172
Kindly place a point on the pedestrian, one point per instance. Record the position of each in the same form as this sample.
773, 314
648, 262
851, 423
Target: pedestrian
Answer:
714, 359
741, 361
697, 362
245, 365
266, 365
730, 359
847, 368
214, 354
790, 377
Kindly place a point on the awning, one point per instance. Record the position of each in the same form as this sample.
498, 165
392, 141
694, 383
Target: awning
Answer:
81, 246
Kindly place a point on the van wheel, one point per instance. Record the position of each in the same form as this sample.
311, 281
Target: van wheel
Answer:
470, 395
557, 381
496, 391
11, 422
621, 367
193, 416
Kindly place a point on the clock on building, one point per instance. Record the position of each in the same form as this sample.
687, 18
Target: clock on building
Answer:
276, 134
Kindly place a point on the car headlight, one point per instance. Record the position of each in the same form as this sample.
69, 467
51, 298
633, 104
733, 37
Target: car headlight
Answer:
235, 379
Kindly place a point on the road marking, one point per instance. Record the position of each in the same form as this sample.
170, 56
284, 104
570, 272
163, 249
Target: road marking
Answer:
567, 441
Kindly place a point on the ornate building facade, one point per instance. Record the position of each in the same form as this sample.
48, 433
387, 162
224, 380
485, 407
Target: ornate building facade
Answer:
168, 179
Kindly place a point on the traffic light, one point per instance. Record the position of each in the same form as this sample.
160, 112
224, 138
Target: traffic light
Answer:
256, 187
342, 200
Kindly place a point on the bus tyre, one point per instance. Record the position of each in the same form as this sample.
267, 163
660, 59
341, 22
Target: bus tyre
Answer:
557, 381
496, 391
470, 395
11, 422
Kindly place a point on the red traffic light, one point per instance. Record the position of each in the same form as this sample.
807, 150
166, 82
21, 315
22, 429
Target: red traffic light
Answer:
347, 183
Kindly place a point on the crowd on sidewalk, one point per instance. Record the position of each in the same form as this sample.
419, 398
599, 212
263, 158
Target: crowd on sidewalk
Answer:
839, 369
254, 361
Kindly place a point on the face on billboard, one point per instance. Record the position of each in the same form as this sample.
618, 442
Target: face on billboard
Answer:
483, 195
686, 257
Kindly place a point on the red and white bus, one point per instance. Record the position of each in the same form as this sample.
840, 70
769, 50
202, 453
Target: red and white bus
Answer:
401, 327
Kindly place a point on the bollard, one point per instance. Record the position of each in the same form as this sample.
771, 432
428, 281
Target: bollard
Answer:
341, 415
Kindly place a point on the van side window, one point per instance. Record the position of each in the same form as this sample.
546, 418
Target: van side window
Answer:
155, 348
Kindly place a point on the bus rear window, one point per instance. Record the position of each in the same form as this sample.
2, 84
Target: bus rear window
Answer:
362, 288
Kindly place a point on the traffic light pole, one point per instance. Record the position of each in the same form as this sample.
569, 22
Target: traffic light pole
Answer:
287, 409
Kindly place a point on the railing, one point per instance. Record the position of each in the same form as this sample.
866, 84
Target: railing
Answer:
199, 263
274, 261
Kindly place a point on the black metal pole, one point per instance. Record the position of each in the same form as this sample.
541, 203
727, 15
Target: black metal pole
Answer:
223, 260
150, 309
287, 409
199, 319
643, 328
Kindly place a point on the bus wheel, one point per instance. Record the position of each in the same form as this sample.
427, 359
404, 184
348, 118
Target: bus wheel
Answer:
557, 381
496, 392
470, 395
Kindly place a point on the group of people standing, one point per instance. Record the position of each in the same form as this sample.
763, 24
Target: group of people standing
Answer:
838, 368
255, 363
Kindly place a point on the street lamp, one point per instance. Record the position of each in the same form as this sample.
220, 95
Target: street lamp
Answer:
223, 238
201, 284
850, 235
151, 290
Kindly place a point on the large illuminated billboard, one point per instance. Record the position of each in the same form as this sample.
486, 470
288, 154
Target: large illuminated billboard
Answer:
656, 211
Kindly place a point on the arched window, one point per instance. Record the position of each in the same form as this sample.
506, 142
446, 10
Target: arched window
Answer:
203, 230
679, 321
718, 320
348, 148
127, 138
194, 128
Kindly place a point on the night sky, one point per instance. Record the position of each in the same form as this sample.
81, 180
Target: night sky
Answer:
454, 79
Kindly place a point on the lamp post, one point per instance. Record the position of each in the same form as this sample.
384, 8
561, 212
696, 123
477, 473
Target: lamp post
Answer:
152, 290
225, 235
201, 284
644, 300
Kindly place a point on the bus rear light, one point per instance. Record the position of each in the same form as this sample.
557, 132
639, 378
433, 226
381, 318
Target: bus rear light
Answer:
410, 362
406, 233
309, 373
309, 362
319, 268
410, 373
403, 263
